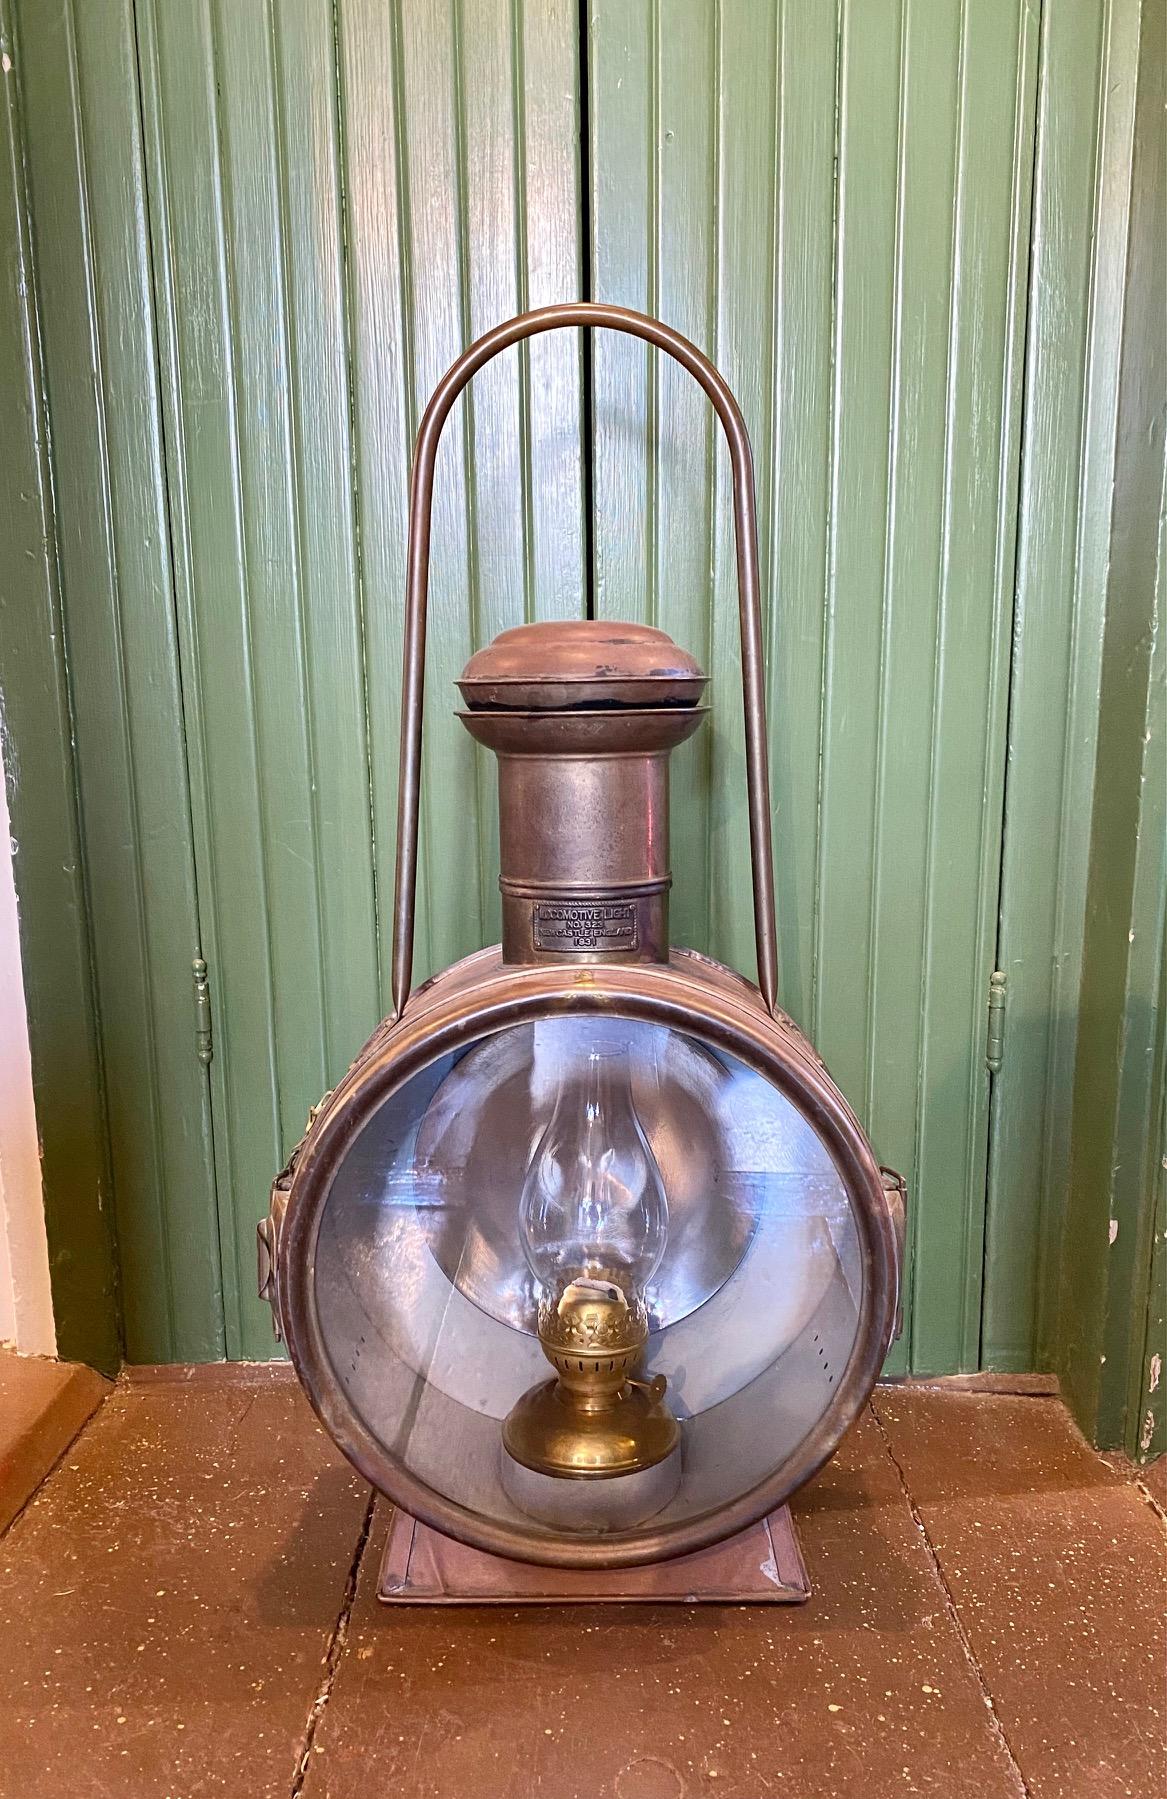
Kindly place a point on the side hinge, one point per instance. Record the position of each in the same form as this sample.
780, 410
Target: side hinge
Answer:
204, 1045
995, 1036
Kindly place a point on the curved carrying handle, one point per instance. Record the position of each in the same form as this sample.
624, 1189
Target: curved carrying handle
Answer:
636, 324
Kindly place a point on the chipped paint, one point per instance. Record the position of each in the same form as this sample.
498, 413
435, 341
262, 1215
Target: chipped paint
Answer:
1156, 1371
769, 1570
1113, 1229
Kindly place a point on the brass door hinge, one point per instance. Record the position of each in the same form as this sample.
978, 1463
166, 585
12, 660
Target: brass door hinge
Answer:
995, 1036
204, 1045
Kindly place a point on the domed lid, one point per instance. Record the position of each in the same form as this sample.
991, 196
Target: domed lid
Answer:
569, 664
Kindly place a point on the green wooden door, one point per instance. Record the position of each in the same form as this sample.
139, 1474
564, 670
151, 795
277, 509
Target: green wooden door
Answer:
833, 201
834, 205
343, 197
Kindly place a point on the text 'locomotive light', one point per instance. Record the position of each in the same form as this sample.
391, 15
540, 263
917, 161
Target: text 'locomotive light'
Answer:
584, 1148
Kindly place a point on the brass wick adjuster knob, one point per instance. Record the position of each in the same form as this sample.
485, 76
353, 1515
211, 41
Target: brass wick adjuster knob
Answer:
595, 1420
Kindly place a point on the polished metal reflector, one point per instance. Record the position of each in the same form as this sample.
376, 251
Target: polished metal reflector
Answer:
482, 1128
426, 1304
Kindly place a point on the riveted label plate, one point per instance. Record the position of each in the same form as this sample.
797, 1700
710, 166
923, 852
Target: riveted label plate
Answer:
585, 925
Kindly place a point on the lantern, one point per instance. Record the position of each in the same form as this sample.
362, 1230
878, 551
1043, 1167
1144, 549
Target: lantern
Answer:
586, 1263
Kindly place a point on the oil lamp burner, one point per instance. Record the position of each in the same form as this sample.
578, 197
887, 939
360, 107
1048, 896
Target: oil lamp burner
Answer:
585, 1148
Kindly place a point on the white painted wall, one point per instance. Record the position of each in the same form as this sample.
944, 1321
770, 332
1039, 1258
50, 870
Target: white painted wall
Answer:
26, 1301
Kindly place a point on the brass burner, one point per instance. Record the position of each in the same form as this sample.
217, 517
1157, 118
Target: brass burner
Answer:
594, 1420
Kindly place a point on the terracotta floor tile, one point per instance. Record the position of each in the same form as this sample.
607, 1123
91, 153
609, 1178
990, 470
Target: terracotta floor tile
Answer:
864, 1691
1056, 1566
167, 1598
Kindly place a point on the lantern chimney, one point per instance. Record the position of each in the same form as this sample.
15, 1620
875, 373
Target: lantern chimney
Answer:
582, 716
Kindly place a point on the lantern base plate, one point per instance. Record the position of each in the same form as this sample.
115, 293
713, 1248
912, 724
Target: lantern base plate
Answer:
762, 1565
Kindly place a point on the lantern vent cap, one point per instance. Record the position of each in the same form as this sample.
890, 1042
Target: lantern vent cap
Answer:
581, 664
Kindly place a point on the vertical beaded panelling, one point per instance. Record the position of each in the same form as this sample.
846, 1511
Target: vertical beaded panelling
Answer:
340, 198
258, 232
833, 201
77, 70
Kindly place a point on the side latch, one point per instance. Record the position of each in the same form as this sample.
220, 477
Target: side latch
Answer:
269, 1229
267, 1234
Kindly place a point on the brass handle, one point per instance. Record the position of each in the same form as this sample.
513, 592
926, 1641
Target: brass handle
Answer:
636, 324
895, 1191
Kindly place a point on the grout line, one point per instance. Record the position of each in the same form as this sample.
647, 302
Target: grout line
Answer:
138, 1377
1146, 1494
1132, 1475
954, 1615
334, 1652
983, 1385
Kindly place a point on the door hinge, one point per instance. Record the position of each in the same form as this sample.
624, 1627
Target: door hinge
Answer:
995, 1036
204, 1047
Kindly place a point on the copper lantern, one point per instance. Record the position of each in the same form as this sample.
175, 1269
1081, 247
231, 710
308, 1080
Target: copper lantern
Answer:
587, 1262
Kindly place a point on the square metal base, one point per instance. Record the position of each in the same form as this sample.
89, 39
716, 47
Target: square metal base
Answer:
760, 1566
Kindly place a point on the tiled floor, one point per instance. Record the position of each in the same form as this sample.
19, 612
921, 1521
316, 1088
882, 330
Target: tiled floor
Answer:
187, 1608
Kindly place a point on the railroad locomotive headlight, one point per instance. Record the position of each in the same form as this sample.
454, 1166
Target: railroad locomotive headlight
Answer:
587, 1261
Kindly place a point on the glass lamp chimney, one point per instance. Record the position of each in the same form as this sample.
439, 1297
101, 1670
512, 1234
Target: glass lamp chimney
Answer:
593, 1203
